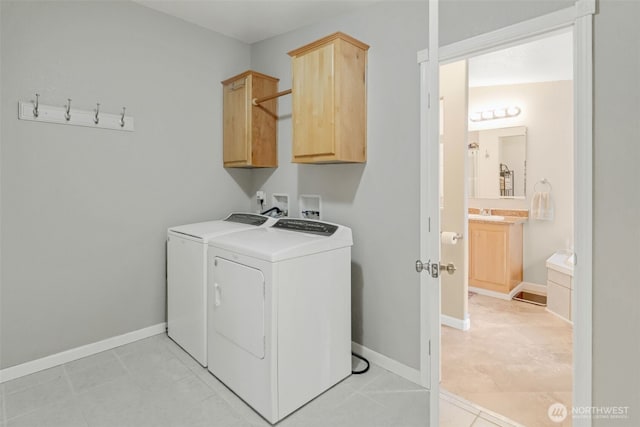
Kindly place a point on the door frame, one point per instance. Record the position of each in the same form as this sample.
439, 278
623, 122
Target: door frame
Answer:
579, 18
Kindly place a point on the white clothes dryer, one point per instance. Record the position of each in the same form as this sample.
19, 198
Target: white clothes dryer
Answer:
280, 313
187, 277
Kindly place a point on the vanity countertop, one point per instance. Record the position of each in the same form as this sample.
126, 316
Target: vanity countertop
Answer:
508, 220
510, 216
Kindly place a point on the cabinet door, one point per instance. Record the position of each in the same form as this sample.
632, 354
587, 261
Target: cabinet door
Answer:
488, 247
313, 103
235, 133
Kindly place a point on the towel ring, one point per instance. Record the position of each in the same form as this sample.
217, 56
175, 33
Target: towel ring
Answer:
543, 181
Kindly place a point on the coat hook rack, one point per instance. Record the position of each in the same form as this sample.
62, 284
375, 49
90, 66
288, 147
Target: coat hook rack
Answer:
34, 111
37, 105
67, 114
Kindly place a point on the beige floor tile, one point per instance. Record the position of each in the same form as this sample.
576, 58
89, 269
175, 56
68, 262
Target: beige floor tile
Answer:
515, 360
454, 416
482, 422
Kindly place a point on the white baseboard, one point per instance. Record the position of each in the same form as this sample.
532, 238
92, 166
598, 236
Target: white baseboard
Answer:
387, 363
559, 316
521, 286
66, 356
452, 322
489, 293
534, 287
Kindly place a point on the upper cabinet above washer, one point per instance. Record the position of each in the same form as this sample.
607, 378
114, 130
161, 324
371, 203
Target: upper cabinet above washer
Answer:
249, 131
329, 105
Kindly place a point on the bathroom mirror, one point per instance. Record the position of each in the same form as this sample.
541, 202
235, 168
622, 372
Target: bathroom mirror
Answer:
497, 166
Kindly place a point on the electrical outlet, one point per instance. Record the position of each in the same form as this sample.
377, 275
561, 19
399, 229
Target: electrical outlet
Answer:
261, 196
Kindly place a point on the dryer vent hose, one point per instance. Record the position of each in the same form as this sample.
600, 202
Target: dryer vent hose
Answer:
362, 371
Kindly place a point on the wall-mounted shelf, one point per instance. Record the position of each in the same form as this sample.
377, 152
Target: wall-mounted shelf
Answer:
37, 112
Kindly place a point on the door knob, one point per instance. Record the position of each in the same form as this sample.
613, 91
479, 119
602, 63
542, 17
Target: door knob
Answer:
435, 268
450, 268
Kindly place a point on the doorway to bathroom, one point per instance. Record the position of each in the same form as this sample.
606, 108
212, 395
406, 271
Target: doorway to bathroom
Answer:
507, 192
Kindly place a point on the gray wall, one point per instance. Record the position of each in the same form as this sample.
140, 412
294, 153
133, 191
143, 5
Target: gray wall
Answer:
378, 200
616, 293
85, 211
462, 19
616, 341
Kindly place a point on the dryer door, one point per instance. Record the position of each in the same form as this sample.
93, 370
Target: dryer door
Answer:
238, 305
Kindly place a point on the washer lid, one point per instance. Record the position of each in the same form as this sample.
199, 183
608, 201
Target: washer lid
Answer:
203, 231
286, 239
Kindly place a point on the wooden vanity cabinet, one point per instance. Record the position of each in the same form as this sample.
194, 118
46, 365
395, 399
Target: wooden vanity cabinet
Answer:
329, 105
495, 255
249, 131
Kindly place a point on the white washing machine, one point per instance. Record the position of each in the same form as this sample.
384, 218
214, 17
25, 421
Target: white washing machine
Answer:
187, 278
279, 304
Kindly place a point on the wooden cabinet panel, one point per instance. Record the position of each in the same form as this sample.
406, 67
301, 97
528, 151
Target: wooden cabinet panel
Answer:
313, 105
235, 135
495, 256
329, 100
249, 131
488, 248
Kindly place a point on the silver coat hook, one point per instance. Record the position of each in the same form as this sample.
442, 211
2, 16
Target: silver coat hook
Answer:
96, 120
122, 118
67, 114
37, 104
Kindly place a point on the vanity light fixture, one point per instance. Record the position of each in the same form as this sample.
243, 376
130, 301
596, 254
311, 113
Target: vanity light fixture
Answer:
498, 113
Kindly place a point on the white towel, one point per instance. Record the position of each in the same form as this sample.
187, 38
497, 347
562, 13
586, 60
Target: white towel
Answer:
542, 206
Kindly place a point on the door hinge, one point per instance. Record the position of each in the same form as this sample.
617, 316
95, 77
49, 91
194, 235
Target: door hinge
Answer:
428, 100
429, 347
429, 224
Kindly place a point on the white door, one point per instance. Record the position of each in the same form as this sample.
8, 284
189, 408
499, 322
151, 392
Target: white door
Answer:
238, 305
428, 265
430, 217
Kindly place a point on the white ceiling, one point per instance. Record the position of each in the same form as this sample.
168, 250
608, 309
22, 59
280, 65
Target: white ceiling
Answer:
251, 21
543, 60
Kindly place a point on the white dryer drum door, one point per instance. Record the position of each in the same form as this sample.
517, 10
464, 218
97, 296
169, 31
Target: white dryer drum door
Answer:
238, 305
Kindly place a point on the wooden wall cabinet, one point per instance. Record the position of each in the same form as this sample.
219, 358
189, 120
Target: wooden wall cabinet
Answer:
330, 101
249, 131
495, 255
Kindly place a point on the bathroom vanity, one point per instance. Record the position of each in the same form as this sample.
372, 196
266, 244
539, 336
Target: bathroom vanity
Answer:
495, 252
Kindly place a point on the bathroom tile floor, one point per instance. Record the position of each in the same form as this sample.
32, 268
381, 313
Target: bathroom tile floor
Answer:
154, 383
515, 360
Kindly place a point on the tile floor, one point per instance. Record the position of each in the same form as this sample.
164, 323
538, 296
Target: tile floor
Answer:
153, 382
515, 360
